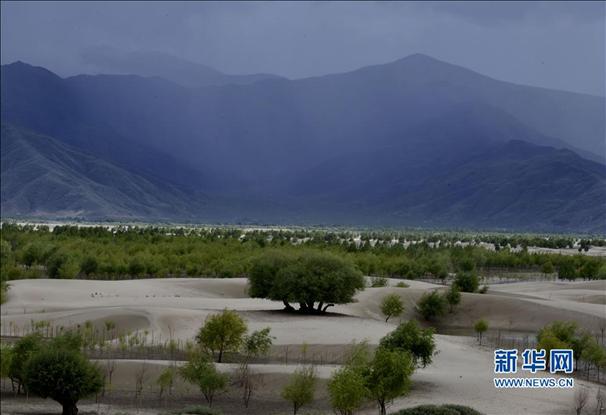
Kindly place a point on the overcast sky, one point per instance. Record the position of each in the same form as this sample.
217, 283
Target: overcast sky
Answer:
557, 45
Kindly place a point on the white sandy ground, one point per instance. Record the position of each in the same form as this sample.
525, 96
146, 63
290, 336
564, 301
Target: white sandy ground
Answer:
462, 372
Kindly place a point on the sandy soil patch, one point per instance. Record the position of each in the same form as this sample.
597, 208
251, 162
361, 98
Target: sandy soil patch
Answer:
462, 372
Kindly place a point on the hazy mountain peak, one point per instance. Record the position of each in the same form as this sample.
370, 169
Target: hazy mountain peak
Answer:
181, 71
24, 68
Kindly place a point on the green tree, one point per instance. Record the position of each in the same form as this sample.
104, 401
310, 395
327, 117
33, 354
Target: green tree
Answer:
89, 265
23, 349
258, 343
595, 355
547, 268
3, 292
63, 375
431, 305
223, 332
467, 281
166, 380
409, 337
202, 372
6, 357
453, 297
480, 328
347, 390
315, 280
263, 277
590, 269
391, 306
567, 270
564, 331
301, 388
388, 376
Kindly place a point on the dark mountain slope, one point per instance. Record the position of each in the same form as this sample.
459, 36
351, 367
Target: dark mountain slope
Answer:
457, 172
357, 148
39, 100
515, 185
43, 177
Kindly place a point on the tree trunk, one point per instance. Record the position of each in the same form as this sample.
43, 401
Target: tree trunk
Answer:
69, 408
320, 305
287, 306
209, 398
220, 355
382, 410
326, 306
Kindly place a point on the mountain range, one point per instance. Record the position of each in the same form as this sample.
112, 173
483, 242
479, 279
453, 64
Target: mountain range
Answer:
415, 142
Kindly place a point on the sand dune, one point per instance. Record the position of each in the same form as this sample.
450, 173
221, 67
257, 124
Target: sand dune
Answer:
461, 373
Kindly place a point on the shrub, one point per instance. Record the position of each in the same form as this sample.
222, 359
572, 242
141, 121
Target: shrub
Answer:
195, 410
402, 284
431, 305
377, 282
409, 337
438, 410
480, 327
391, 306
467, 281
223, 332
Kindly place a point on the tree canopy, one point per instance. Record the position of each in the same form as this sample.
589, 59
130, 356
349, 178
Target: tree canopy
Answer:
409, 337
202, 372
314, 280
63, 374
301, 388
222, 332
391, 306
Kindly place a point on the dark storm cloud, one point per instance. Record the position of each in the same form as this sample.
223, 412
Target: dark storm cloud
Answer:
558, 44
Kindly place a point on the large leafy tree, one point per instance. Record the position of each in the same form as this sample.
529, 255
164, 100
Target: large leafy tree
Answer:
314, 280
21, 352
62, 374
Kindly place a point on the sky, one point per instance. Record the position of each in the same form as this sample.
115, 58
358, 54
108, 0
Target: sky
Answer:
558, 45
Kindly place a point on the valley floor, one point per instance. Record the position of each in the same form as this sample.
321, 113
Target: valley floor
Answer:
163, 309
